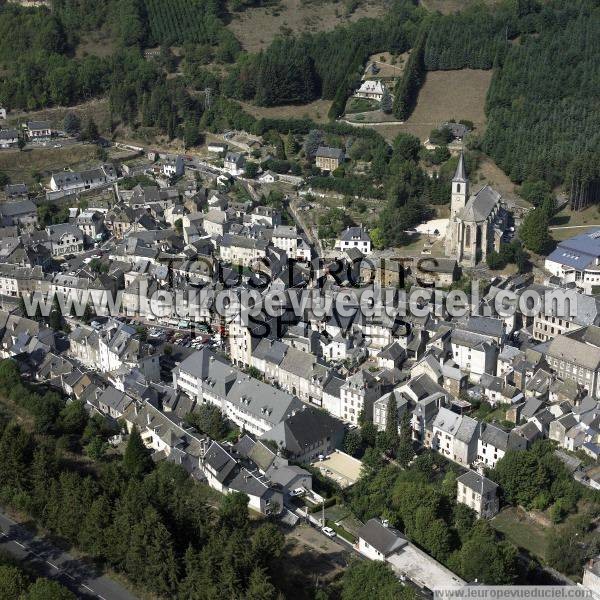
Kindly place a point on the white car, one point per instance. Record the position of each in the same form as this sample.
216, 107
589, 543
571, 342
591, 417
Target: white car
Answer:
297, 492
328, 532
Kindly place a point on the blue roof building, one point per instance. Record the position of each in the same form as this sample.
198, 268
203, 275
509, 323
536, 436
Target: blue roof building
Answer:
577, 260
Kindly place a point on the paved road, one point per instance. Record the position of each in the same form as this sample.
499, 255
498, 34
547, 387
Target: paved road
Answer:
81, 578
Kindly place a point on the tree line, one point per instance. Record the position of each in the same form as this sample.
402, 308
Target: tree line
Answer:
150, 522
407, 89
421, 502
297, 70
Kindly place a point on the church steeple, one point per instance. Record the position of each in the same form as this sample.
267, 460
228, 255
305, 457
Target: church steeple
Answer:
460, 175
460, 187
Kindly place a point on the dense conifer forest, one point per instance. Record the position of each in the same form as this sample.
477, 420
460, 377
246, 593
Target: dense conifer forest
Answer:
542, 105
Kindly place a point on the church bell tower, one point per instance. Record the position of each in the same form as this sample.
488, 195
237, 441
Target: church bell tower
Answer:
460, 188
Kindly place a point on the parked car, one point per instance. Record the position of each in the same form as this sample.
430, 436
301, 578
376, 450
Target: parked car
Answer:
328, 532
297, 492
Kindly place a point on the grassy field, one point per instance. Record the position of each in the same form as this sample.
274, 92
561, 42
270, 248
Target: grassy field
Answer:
446, 95
21, 166
451, 6
256, 27
522, 531
569, 223
95, 43
489, 173
317, 111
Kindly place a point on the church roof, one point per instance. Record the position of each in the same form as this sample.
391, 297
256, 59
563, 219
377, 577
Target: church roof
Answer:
480, 205
460, 174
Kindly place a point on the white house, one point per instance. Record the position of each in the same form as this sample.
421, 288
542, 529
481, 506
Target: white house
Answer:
173, 165
268, 177
478, 493
251, 404
39, 130
474, 353
354, 237
65, 239
371, 89
494, 443
234, 163
377, 541
286, 238
455, 436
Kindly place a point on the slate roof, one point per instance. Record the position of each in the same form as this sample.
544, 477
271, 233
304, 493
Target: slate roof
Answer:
574, 349
9, 134
57, 231
13, 209
240, 241
393, 352
480, 204
460, 175
477, 482
467, 429
251, 395
462, 337
532, 406
38, 125
326, 152
301, 430
384, 539
220, 461
354, 234
64, 178
486, 326
447, 421
248, 483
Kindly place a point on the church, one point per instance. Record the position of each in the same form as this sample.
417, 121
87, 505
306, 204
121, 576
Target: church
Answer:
476, 223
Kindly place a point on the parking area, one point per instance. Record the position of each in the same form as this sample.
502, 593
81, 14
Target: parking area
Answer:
340, 467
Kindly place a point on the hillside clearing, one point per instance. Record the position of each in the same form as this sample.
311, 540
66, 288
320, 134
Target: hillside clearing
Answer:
446, 95
96, 109
255, 28
317, 111
21, 166
568, 223
447, 7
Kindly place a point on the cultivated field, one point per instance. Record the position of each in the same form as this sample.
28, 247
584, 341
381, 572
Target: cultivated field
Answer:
446, 95
22, 166
256, 27
317, 111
